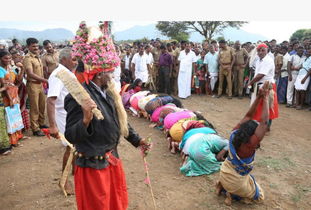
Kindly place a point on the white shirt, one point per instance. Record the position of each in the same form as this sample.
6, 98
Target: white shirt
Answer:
57, 89
271, 55
141, 62
186, 60
150, 58
286, 58
127, 61
197, 57
266, 67
296, 60
212, 61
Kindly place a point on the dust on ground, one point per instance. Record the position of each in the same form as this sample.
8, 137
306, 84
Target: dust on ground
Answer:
29, 176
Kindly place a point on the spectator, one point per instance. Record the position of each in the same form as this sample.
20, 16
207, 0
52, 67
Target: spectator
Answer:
35, 79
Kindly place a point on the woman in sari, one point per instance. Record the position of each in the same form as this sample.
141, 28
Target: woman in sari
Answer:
205, 154
10, 97
5, 146
22, 90
235, 178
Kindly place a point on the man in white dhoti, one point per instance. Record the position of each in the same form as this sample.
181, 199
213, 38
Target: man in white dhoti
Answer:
186, 60
141, 65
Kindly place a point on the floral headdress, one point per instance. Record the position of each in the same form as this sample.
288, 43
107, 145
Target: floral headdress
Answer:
94, 46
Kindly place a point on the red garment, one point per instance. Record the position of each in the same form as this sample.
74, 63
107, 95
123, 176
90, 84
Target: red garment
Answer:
273, 112
103, 189
26, 120
137, 89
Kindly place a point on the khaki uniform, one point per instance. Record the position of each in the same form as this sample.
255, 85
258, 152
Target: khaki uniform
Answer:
238, 71
50, 61
175, 72
155, 69
225, 58
35, 91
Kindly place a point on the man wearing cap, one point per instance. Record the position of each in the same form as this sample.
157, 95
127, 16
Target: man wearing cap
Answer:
99, 177
264, 71
226, 60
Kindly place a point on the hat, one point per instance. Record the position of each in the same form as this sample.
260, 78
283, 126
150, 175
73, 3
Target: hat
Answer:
262, 45
94, 46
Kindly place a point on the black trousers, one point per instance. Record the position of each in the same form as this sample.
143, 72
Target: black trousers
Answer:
164, 79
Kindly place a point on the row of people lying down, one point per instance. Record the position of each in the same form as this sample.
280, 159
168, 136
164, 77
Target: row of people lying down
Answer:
186, 131
202, 148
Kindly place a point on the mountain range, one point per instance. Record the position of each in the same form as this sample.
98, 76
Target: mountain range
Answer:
56, 34
133, 33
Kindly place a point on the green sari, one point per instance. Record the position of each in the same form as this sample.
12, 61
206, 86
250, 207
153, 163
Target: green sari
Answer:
4, 137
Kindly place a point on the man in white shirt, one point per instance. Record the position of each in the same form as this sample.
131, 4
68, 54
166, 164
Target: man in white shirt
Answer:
140, 65
187, 59
211, 61
55, 102
294, 65
264, 71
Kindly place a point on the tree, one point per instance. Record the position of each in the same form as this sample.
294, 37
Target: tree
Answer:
298, 34
307, 34
175, 30
207, 29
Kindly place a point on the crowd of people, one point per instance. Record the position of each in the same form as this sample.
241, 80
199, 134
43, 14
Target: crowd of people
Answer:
152, 79
217, 68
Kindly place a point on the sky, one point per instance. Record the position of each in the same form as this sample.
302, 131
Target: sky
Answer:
279, 30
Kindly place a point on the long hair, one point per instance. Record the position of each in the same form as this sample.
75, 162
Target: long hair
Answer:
119, 107
244, 133
177, 102
134, 84
206, 122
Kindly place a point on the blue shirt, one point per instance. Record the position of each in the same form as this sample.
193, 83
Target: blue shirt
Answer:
212, 62
293, 52
3, 72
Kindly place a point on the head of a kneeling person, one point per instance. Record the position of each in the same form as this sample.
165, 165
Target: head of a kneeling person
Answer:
244, 133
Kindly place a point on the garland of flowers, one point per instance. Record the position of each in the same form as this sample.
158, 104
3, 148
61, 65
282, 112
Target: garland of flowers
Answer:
99, 52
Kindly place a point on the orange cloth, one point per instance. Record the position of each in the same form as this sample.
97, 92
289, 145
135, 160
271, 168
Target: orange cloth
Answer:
103, 189
13, 92
273, 112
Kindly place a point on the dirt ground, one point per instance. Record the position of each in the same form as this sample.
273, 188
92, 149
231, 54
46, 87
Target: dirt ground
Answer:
29, 176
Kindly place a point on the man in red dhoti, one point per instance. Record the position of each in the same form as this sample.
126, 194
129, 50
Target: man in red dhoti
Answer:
264, 71
99, 177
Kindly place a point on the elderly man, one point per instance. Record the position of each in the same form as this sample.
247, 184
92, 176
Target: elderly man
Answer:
99, 177
264, 71
55, 102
